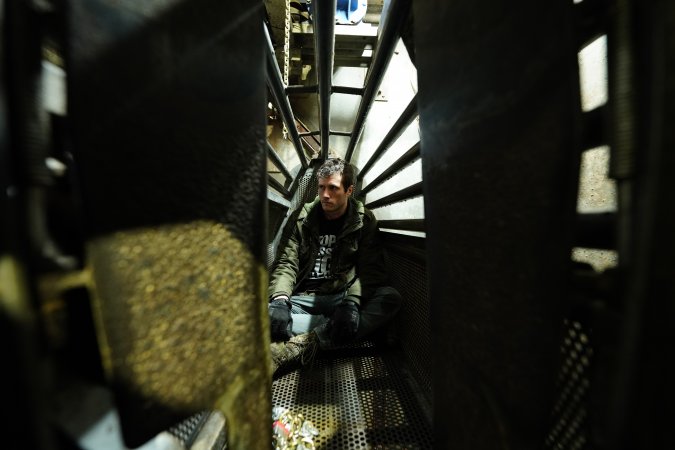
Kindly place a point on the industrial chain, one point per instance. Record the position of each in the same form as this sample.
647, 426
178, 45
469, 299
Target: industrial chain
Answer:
287, 51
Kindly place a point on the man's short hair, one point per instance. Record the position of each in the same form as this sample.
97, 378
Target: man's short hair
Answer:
338, 165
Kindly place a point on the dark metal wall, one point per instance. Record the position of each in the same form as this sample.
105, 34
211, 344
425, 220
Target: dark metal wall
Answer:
167, 102
635, 404
498, 96
408, 274
23, 384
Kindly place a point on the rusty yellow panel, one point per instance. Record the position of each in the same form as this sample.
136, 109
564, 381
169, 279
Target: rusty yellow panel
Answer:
13, 290
183, 326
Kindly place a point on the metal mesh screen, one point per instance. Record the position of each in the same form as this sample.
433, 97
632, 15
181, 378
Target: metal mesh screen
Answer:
306, 191
569, 430
362, 401
271, 253
188, 429
410, 279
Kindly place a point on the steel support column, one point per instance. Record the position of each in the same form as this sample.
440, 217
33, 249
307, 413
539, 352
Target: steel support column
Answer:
25, 410
499, 109
324, 51
394, 19
276, 85
637, 397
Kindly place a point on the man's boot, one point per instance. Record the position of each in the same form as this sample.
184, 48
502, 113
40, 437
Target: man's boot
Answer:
297, 351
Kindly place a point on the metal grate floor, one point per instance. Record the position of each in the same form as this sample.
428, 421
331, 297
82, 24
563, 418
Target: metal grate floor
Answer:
358, 398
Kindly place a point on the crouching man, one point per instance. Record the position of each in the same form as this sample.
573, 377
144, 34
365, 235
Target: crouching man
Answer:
329, 286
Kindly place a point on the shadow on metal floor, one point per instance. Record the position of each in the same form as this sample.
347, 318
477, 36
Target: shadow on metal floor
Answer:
358, 398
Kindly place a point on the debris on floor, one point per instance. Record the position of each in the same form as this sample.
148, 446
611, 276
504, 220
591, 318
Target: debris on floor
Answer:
291, 431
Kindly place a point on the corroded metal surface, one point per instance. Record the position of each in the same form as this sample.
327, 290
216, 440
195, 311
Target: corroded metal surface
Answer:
167, 102
181, 320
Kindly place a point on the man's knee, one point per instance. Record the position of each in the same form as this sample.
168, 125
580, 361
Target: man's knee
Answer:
390, 296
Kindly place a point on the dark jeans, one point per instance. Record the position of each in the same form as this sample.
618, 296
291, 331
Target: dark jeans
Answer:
312, 312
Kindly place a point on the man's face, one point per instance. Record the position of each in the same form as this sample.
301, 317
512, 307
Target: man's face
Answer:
333, 195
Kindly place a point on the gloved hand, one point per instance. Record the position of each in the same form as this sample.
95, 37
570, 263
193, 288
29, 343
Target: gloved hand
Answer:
280, 319
344, 322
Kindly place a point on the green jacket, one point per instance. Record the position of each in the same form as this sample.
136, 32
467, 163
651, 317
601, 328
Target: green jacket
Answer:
357, 261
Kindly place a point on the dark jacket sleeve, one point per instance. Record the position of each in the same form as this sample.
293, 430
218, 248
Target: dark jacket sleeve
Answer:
370, 265
285, 272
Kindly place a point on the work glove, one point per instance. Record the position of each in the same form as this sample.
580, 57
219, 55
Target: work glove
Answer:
344, 322
280, 319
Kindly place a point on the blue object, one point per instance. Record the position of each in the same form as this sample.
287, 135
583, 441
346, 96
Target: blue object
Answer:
349, 12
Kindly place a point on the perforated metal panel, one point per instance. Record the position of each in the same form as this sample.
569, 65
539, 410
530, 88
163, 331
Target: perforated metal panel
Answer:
569, 429
409, 277
362, 401
188, 429
306, 191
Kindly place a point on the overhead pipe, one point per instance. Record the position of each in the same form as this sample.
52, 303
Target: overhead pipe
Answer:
404, 120
324, 51
396, 16
276, 85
